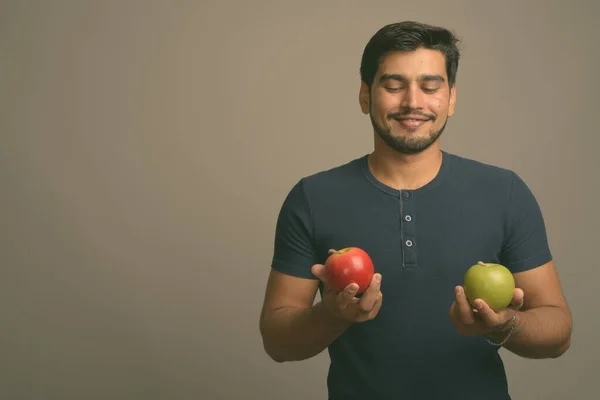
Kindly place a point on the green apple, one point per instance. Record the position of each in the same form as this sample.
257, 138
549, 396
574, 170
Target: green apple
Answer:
492, 283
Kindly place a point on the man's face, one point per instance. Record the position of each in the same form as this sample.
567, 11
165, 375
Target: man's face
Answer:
410, 100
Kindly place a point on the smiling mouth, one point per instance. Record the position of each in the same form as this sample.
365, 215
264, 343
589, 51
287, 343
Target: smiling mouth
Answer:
411, 122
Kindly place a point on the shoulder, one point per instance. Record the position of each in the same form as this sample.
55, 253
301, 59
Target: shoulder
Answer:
333, 179
482, 176
470, 168
325, 184
346, 170
492, 183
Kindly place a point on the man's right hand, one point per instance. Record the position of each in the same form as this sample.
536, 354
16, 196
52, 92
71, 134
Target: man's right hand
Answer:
345, 305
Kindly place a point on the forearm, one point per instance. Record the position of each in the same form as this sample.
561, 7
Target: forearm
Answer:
293, 334
542, 332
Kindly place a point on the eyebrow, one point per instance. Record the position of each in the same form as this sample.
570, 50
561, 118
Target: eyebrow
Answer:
402, 78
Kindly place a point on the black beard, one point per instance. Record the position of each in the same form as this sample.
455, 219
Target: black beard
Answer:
407, 145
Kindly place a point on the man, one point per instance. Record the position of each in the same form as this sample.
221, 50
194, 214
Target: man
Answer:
424, 216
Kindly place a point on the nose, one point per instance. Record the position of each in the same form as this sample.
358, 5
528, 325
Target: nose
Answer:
413, 98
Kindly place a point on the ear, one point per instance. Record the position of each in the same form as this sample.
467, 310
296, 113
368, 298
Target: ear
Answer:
363, 97
452, 100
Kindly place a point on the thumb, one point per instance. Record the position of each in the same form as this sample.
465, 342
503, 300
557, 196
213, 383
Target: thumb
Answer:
318, 270
517, 301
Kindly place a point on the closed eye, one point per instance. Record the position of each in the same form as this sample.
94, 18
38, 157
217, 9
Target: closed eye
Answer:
397, 89
393, 89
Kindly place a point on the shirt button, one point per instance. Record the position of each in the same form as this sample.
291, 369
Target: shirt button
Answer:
408, 218
406, 195
409, 243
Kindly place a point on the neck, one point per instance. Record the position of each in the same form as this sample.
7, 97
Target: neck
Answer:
405, 171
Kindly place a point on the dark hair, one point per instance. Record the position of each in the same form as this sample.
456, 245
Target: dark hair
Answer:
409, 36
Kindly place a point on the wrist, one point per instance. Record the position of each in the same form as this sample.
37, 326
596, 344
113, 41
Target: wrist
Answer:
502, 336
325, 314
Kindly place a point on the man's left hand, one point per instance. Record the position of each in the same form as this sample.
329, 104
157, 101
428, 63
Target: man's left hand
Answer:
482, 320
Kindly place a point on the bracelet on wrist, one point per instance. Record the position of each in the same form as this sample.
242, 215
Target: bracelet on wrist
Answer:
513, 326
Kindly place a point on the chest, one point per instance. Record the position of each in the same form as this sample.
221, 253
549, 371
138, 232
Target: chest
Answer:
413, 239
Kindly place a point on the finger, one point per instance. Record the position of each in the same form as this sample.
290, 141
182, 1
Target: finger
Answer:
453, 309
463, 307
455, 312
490, 317
318, 270
331, 251
517, 300
371, 295
346, 296
376, 307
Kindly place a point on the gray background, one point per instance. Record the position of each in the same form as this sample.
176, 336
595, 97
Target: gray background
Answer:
148, 145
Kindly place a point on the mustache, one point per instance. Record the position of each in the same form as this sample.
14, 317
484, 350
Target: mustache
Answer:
412, 113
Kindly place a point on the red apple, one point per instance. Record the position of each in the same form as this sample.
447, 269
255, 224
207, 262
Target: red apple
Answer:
349, 265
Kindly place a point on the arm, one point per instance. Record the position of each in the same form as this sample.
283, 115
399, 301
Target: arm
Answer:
544, 323
292, 328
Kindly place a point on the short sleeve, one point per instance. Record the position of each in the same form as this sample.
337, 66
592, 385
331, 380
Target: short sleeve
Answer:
526, 243
294, 251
